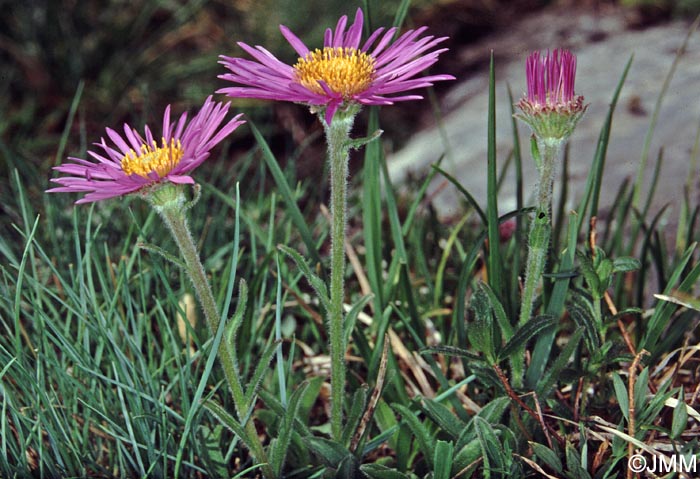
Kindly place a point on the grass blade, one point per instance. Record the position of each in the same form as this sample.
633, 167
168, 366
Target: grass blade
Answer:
595, 176
372, 213
494, 262
655, 114
659, 320
286, 192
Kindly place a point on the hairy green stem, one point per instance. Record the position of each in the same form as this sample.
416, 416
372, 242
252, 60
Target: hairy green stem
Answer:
338, 139
540, 228
174, 217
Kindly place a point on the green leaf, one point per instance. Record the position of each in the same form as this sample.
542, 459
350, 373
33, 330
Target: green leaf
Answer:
553, 373
594, 180
443, 263
481, 331
547, 456
625, 264
262, 367
621, 394
378, 471
392, 212
494, 410
452, 351
682, 299
380, 439
372, 213
680, 417
420, 432
655, 117
467, 455
660, 319
490, 446
524, 333
573, 463
498, 311
310, 397
330, 453
226, 419
468, 196
276, 407
349, 468
535, 151
654, 405
280, 445
583, 317
217, 410
151, 248
357, 407
443, 460
604, 272
588, 271
237, 319
351, 316
404, 451
400, 14
316, 283
357, 143
211, 443
233, 265
494, 259
641, 388
443, 417
419, 198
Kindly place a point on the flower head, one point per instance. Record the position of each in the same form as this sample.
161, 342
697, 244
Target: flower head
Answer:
551, 106
341, 74
136, 163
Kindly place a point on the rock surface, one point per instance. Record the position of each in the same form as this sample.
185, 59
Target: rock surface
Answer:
603, 44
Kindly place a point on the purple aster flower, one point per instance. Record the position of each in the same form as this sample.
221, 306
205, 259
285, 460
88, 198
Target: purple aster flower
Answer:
134, 163
551, 106
344, 72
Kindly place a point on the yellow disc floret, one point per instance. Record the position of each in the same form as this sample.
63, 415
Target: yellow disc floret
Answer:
344, 70
153, 158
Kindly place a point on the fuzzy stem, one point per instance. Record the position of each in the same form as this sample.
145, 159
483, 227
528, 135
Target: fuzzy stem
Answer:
338, 139
540, 228
176, 221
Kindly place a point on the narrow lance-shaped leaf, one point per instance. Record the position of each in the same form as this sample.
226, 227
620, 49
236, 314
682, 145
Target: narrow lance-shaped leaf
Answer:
444, 452
317, 283
280, 445
524, 333
420, 432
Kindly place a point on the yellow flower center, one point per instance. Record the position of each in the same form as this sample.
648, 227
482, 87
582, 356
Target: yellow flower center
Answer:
153, 158
346, 71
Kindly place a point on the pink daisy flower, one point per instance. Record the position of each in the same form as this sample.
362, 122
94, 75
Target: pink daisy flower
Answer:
551, 106
134, 163
342, 73
550, 79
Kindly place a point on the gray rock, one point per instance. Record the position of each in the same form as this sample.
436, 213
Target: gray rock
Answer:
603, 45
